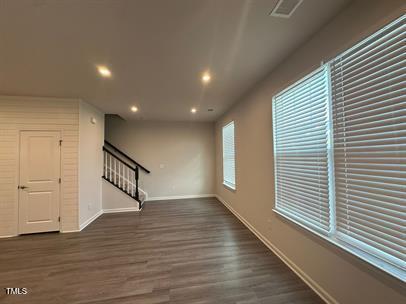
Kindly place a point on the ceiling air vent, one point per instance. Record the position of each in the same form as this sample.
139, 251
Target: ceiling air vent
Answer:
285, 8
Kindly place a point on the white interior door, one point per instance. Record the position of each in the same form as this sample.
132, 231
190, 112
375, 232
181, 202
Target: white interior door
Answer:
39, 185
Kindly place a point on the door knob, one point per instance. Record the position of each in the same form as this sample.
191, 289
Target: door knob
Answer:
22, 187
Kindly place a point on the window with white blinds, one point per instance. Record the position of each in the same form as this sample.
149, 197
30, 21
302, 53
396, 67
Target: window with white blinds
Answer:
301, 145
229, 156
340, 150
369, 119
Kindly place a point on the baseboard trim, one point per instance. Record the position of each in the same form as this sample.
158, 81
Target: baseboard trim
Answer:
301, 274
90, 220
118, 210
163, 198
8, 236
69, 231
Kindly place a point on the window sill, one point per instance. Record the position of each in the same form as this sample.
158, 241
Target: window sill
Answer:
365, 257
229, 186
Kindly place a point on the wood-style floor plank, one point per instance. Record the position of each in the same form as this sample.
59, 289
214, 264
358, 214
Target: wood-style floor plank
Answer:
184, 252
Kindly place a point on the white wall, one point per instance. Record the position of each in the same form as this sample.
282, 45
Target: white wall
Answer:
29, 113
341, 277
91, 141
180, 155
115, 200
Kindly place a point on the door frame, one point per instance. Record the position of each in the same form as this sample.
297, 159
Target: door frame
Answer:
19, 171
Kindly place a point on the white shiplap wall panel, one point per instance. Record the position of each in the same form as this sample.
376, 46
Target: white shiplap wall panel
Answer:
8, 180
28, 113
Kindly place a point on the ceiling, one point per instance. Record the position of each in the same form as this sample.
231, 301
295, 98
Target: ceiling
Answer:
156, 50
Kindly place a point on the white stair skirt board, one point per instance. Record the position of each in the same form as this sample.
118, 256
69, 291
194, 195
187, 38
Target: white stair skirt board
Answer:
165, 198
116, 210
115, 199
300, 273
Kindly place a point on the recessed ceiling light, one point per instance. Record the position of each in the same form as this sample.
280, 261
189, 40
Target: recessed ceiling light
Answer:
134, 109
206, 77
104, 71
193, 110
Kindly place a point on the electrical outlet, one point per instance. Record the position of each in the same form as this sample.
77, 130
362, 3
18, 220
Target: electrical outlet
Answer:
89, 206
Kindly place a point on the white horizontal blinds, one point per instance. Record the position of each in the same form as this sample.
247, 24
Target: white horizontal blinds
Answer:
369, 119
301, 136
229, 155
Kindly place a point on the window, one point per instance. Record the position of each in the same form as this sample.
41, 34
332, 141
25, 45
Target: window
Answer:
229, 156
369, 104
340, 150
301, 138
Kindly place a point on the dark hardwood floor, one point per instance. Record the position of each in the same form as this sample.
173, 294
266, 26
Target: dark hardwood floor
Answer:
185, 251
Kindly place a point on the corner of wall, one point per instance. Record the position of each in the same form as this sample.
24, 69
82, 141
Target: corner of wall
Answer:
91, 141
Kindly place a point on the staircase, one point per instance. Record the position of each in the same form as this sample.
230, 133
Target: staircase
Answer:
123, 172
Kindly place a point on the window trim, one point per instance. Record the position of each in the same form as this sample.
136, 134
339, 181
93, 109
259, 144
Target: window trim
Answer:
364, 256
229, 186
331, 238
360, 251
226, 184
